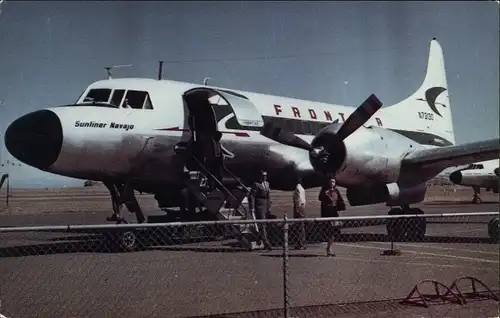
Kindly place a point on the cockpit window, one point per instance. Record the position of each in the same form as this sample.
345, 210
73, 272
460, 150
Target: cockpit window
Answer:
476, 166
98, 95
137, 100
116, 100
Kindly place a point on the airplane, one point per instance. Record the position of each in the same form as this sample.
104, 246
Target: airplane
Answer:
485, 174
138, 134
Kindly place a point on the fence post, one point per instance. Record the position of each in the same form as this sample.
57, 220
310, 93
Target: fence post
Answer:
285, 267
8, 191
392, 251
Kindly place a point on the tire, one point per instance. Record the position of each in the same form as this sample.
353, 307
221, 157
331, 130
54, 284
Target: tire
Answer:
407, 228
394, 227
418, 226
128, 241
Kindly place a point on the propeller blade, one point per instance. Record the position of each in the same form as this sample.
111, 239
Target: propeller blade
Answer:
282, 136
360, 116
497, 172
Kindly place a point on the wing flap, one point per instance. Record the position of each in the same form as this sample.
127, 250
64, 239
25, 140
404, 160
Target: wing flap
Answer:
443, 157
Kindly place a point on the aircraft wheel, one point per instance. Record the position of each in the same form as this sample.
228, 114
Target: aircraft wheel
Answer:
477, 200
493, 229
395, 227
128, 241
416, 227
407, 228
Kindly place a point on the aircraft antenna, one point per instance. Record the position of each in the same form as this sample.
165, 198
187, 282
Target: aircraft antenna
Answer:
205, 80
108, 69
160, 70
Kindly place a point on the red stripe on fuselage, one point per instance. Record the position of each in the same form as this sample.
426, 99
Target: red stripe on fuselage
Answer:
237, 134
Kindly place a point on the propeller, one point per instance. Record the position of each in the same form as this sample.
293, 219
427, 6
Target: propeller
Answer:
359, 117
497, 172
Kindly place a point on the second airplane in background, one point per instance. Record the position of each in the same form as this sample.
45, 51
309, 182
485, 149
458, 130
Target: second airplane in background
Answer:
485, 174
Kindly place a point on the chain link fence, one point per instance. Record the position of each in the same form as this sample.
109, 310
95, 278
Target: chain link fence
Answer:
202, 268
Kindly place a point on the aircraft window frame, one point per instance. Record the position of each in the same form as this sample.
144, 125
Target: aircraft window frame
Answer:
139, 103
148, 104
115, 91
98, 101
307, 127
297, 127
288, 124
233, 93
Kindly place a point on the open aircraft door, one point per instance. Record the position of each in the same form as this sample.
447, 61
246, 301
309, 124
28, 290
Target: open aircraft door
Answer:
244, 110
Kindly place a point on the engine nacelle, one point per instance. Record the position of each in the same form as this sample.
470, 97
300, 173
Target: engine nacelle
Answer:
392, 194
371, 155
329, 152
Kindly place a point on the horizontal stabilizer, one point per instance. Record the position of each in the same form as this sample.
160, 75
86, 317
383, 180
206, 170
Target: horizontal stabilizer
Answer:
444, 157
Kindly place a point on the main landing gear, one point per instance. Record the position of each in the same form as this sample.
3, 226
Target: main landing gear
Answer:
123, 194
406, 228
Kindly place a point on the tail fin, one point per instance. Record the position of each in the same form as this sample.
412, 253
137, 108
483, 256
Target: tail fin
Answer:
429, 109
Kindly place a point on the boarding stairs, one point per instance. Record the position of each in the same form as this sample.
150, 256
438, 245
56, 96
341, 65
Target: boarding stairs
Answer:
225, 200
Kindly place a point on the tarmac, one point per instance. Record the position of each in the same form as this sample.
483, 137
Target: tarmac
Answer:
65, 275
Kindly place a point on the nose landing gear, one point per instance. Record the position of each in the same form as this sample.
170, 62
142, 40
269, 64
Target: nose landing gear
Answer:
123, 194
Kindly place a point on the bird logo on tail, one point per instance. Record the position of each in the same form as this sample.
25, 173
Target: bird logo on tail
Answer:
430, 97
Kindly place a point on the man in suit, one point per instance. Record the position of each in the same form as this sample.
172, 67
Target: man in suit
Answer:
260, 205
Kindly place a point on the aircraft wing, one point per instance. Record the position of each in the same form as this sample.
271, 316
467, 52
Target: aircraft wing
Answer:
444, 157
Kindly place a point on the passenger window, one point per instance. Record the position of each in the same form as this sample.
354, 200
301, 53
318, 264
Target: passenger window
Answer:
297, 127
480, 166
116, 100
98, 95
306, 126
288, 125
316, 127
137, 100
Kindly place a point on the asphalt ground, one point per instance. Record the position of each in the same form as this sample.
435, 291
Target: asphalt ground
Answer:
65, 275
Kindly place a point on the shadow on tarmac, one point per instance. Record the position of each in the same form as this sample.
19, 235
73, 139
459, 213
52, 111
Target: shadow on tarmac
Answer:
99, 244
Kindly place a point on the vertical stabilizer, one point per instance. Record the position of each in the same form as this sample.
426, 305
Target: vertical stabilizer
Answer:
429, 108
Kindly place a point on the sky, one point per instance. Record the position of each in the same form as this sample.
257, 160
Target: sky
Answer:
336, 52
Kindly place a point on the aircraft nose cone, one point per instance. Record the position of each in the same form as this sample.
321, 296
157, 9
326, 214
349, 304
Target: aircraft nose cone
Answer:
456, 177
35, 138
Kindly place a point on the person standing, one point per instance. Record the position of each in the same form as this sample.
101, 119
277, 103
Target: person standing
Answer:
331, 203
260, 205
299, 205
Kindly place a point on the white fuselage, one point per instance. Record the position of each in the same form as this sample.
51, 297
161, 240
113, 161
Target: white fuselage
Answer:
105, 142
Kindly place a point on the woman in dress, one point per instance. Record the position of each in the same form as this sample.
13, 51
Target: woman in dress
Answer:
331, 202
